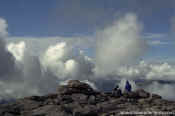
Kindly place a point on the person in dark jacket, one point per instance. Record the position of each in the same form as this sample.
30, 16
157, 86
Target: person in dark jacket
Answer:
128, 87
116, 91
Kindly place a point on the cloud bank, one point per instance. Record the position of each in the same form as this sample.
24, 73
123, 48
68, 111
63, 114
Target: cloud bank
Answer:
156, 71
118, 48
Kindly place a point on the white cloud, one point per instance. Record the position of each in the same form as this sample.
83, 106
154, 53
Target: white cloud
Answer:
54, 59
38, 45
164, 90
39, 73
17, 49
119, 44
63, 63
6, 59
71, 67
17, 89
161, 71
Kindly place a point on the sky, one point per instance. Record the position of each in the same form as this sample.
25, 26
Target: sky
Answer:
49, 18
46, 42
65, 17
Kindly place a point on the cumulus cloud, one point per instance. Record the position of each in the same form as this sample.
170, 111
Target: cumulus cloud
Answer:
119, 44
53, 59
37, 45
63, 63
26, 79
157, 71
20, 73
17, 50
41, 74
165, 90
6, 59
156, 78
24, 72
8, 69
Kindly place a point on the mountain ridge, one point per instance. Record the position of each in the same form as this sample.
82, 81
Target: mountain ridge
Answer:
79, 99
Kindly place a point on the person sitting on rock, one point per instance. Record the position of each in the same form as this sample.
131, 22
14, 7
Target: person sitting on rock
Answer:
116, 91
128, 87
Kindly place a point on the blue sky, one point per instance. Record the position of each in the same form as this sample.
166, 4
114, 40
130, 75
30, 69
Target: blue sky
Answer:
42, 18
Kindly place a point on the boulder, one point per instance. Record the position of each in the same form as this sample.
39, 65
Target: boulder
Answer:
63, 90
74, 83
75, 86
92, 100
79, 85
155, 96
81, 98
132, 95
88, 110
142, 93
117, 93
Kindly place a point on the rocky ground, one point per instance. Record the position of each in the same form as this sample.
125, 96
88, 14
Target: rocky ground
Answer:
79, 99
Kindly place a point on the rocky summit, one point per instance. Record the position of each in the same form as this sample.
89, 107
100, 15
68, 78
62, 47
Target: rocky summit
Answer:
79, 99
